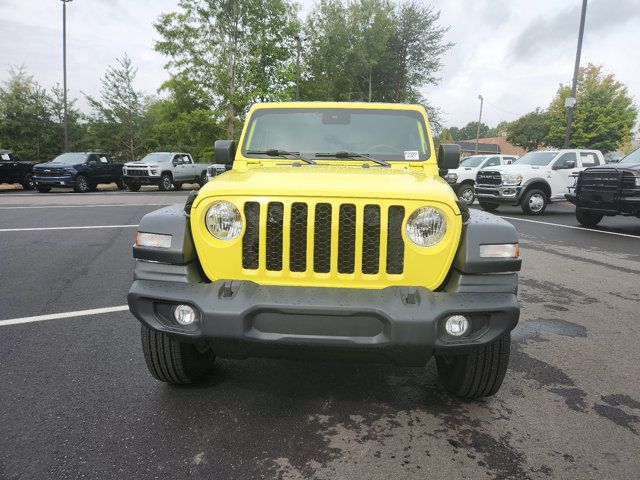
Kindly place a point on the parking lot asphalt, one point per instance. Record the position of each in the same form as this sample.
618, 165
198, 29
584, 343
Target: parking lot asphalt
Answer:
76, 400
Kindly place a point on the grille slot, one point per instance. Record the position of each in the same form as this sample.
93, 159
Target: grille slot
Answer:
298, 237
488, 178
251, 239
275, 217
371, 239
322, 239
395, 243
137, 173
347, 239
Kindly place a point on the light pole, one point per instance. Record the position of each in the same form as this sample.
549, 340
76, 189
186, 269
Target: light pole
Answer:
298, 48
64, 71
570, 102
479, 121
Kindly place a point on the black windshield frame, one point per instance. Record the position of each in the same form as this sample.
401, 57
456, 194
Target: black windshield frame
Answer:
395, 157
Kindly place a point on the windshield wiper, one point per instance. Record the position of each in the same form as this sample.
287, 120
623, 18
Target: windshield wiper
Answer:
354, 155
274, 152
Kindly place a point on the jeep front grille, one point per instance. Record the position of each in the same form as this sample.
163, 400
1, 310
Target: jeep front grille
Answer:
323, 237
487, 177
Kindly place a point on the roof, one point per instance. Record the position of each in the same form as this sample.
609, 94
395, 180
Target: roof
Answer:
338, 105
470, 146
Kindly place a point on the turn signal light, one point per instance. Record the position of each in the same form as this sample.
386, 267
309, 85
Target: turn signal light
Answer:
504, 250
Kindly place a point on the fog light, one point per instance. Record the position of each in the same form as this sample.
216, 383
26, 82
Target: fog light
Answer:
184, 315
456, 325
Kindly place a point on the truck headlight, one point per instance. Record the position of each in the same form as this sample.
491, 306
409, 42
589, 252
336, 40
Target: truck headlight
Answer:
426, 226
451, 177
223, 220
511, 179
637, 181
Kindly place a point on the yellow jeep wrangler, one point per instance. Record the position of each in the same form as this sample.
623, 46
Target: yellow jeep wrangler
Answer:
333, 236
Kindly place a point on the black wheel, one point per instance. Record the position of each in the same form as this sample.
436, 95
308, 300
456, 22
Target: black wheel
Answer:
134, 187
120, 184
177, 185
588, 219
81, 185
467, 193
27, 182
43, 189
488, 206
534, 202
165, 182
478, 373
202, 179
172, 361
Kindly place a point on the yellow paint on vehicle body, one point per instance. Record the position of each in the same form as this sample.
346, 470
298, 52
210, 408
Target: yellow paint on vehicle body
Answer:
408, 184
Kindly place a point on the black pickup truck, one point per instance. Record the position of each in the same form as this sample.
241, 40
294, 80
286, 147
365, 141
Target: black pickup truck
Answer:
82, 171
608, 190
13, 170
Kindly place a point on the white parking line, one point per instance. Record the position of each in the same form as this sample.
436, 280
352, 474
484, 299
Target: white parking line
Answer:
88, 206
59, 316
569, 226
86, 227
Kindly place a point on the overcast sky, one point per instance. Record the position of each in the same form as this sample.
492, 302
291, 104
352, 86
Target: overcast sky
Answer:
513, 52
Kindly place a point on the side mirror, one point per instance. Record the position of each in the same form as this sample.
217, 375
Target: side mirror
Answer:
448, 156
92, 163
225, 151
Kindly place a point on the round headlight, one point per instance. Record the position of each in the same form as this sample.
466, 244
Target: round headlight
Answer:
223, 220
426, 226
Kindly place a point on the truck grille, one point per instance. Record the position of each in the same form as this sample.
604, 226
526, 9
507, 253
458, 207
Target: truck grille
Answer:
487, 177
323, 237
132, 172
600, 179
54, 172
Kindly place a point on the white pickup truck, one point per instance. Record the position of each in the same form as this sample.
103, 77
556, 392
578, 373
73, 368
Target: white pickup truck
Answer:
534, 180
164, 169
463, 178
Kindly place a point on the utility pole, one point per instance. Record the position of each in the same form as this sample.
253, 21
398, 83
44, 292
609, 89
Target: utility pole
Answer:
298, 48
64, 71
479, 122
570, 103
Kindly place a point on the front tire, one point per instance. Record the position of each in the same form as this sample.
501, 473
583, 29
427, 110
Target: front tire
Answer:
202, 179
467, 193
44, 189
588, 219
488, 206
177, 185
134, 187
81, 185
172, 361
27, 183
478, 373
534, 202
165, 183
120, 184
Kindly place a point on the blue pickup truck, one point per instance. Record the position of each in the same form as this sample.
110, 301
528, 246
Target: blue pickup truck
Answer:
82, 171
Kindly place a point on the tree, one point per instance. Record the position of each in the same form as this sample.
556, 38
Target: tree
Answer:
529, 131
234, 52
117, 114
603, 112
469, 131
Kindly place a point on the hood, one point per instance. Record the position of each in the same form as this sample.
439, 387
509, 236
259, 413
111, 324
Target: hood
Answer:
54, 165
618, 166
330, 181
515, 168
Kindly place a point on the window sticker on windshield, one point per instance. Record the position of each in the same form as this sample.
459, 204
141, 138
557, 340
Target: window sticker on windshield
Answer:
411, 155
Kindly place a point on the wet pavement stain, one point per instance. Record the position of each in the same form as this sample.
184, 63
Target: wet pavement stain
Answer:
556, 292
611, 410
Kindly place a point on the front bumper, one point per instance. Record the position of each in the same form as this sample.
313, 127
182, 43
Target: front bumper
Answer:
142, 180
607, 203
499, 193
62, 181
403, 325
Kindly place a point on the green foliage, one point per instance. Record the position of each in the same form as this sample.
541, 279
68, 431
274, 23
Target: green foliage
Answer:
603, 112
232, 53
118, 113
469, 131
371, 50
529, 131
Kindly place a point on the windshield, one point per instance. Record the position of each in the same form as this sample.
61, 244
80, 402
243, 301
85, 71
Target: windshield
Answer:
70, 158
632, 159
474, 161
157, 158
536, 158
383, 134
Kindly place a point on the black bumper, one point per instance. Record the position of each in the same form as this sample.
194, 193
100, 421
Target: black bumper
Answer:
403, 325
141, 180
606, 203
